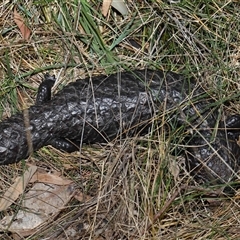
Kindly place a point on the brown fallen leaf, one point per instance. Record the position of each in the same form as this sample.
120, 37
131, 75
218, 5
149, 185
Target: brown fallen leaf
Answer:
119, 5
16, 188
25, 31
105, 7
45, 177
40, 204
81, 197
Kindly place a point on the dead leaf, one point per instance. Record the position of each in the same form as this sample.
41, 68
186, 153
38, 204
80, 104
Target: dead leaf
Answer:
81, 197
105, 7
17, 188
119, 5
45, 177
25, 31
41, 202
175, 166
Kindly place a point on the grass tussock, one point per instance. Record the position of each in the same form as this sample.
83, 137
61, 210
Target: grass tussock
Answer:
137, 187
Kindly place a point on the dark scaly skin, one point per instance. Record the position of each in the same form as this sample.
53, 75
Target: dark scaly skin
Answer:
102, 108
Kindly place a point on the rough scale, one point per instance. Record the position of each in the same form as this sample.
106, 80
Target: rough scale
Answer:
103, 108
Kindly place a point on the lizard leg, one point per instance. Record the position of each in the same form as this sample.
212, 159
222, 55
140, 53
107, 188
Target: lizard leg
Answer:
44, 90
43, 96
64, 144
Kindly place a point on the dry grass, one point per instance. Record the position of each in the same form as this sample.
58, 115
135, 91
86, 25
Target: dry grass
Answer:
138, 189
